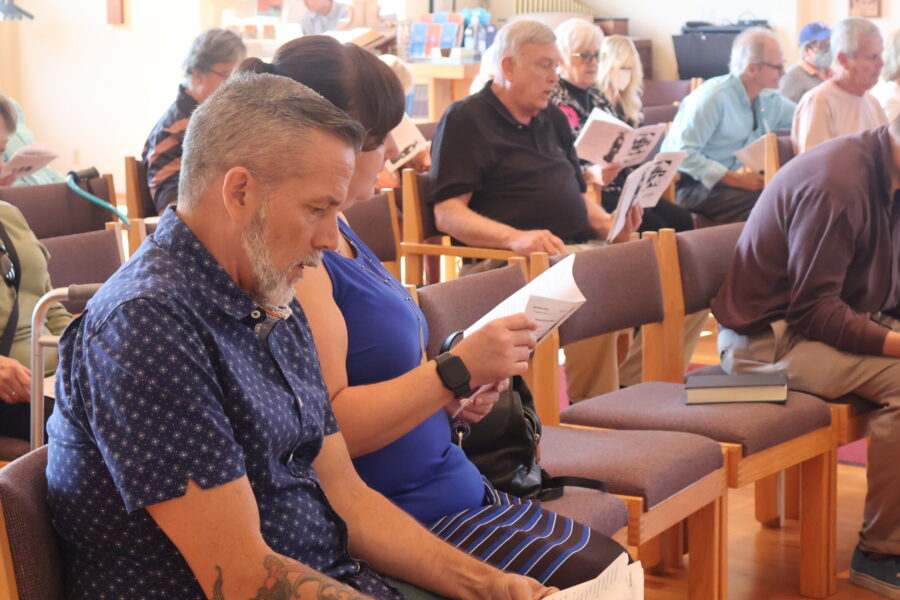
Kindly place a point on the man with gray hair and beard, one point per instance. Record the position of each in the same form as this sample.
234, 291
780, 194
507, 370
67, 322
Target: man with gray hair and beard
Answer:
843, 105
722, 116
193, 451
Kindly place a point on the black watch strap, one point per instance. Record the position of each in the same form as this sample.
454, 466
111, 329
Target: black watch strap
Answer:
454, 374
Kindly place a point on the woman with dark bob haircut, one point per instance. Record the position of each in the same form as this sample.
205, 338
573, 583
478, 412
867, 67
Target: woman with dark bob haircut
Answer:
393, 408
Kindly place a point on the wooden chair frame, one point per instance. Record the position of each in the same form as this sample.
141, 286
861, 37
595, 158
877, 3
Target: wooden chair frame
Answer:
813, 455
133, 187
413, 247
653, 532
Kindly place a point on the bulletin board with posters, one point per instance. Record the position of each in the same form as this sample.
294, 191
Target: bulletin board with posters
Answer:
865, 8
269, 8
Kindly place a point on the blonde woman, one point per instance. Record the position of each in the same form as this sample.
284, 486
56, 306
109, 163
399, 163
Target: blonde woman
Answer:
887, 90
606, 74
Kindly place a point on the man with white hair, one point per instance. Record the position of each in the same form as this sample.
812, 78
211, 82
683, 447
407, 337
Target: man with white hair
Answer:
843, 104
722, 116
505, 175
193, 450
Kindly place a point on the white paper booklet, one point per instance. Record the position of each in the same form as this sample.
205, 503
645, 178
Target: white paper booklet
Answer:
619, 581
645, 185
753, 155
605, 139
410, 142
26, 160
549, 299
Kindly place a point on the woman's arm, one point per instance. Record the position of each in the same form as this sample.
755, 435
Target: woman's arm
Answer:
372, 416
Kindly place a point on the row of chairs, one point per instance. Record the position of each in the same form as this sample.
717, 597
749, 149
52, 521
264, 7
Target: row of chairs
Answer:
678, 274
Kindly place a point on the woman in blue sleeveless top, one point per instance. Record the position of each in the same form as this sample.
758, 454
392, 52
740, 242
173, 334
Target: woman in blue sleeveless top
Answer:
392, 408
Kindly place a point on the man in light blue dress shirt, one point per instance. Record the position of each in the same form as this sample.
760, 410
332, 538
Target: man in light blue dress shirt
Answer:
722, 116
322, 16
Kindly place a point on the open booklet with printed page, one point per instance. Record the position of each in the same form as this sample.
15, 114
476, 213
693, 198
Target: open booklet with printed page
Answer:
604, 139
549, 299
618, 581
753, 155
410, 142
26, 160
644, 186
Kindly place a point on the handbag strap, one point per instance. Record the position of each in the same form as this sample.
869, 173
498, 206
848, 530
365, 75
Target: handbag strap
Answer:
553, 487
449, 341
9, 332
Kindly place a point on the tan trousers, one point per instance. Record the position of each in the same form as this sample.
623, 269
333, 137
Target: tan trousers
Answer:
631, 371
825, 371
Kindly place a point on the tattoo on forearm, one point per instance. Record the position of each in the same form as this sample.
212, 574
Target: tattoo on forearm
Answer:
278, 586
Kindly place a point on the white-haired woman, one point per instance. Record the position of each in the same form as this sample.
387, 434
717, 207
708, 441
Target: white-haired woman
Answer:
606, 74
887, 90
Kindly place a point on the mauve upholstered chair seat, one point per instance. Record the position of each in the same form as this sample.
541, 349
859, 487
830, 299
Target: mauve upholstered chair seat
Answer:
858, 406
90, 257
653, 465
371, 221
601, 512
658, 405
32, 540
53, 209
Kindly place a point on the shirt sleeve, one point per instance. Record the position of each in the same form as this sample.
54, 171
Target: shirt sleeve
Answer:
155, 406
820, 249
695, 124
457, 165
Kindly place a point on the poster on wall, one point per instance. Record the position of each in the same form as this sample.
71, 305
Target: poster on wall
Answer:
269, 8
865, 8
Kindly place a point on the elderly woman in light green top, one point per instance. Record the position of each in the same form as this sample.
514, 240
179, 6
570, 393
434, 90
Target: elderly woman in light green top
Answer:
34, 282
22, 136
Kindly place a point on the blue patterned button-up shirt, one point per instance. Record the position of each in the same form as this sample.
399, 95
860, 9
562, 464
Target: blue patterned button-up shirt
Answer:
163, 380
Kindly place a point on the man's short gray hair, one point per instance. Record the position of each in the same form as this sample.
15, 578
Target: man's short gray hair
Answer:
211, 47
891, 69
260, 122
513, 36
846, 33
749, 47
576, 34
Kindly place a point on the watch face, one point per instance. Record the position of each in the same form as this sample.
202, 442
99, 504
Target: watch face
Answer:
454, 374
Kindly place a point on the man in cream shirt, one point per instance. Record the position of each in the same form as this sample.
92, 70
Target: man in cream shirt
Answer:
843, 104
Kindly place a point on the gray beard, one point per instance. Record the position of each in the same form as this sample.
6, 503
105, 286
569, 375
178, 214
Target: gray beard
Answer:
274, 288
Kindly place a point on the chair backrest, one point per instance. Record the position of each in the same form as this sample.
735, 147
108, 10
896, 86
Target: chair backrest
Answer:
375, 222
32, 566
778, 150
52, 210
704, 257
622, 287
427, 129
658, 93
90, 257
659, 114
137, 192
418, 214
456, 304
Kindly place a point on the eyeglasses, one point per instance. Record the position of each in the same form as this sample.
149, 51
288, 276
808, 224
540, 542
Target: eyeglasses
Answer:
7, 268
776, 67
586, 56
214, 72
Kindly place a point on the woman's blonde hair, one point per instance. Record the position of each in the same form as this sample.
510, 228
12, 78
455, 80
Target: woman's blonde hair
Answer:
616, 51
891, 69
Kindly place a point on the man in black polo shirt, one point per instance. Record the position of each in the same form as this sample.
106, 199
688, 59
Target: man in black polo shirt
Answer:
505, 175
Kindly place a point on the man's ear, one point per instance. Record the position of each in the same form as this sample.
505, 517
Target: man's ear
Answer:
241, 194
843, 60
507, 65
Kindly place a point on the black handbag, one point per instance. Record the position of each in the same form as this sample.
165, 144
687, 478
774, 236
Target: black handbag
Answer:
504, 444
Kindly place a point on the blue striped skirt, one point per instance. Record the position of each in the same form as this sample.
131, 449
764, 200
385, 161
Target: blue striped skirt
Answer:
519, 536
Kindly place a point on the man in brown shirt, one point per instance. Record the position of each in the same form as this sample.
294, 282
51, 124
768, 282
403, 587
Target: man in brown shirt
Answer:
814, 292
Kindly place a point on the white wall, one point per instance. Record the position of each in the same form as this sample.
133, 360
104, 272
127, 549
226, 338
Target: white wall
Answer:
92, 91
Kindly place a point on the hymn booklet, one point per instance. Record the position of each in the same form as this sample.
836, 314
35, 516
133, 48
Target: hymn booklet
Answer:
26, 161
410, 142
618, 581
645, 185
604, 139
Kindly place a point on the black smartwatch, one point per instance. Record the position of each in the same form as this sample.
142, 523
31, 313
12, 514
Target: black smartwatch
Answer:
454, 374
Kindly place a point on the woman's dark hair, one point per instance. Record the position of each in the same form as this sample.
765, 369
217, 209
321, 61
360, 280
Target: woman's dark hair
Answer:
351, 78
8, 115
